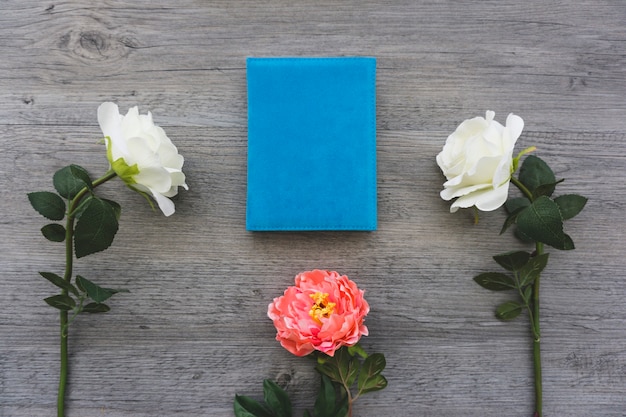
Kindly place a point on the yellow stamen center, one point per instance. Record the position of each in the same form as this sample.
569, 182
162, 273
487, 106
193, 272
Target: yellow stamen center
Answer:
321, 308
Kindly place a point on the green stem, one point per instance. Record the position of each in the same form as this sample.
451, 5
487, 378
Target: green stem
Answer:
69, 264
534, 316
536, 330
522, 188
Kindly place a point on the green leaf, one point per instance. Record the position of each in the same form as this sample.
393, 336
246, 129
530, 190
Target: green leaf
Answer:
54, 232
512, 261
94, 291
513, 204
95, 229
570, 205
514, 207
329, 368
96, 308
374, 384
325, 402
117, 209
81, 174
341, 368
535, 172
542, 222
508, 311
546, 189
69, 180
247, 407
522, 237
59, 282
495, 281
357, 350
49, 205
511, 219
276, 398
348, 366
370, 378
61, 302
531, 271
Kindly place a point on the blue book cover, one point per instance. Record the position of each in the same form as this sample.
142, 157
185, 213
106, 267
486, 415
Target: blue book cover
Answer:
311, 144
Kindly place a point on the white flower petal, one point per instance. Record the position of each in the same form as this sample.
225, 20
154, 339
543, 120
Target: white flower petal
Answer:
450, 193
492, 199
165, 204
145, 145
476, 161
154, 177
515, 125
109, 119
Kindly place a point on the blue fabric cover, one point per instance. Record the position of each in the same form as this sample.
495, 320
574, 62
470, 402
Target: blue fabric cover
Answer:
311, 144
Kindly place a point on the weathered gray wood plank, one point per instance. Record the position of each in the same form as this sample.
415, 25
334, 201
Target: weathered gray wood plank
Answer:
193, 330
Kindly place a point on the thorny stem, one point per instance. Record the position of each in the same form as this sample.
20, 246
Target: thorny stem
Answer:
69, 262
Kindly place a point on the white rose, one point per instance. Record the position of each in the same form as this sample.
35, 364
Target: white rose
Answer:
477, 161
142, 155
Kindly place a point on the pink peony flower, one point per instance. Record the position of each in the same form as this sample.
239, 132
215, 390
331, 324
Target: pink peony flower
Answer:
323, 311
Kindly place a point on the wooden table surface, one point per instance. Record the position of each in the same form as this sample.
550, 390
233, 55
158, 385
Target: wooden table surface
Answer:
193, 330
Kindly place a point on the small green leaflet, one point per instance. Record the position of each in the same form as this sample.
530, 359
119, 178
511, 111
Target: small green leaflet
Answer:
495, 281
370, 378
535, 173
276, 399
96, 308
54, 232
59, 282
69, 180
570, 205
542, 222
247, 407
94, 291
531, 271
95, 228
512, 261
508, 311
61, 302
48, 204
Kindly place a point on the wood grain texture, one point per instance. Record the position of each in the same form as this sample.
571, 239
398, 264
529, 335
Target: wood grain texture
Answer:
193, 330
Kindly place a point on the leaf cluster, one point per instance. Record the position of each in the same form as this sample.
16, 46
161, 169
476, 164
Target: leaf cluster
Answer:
538, 216
523, 270
349, 366
74, 297
91, 225
96, 218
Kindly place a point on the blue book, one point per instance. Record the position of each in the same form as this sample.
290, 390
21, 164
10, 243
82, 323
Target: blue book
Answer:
311, 144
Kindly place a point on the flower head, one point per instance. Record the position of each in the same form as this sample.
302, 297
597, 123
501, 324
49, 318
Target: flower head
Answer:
323, 311
477, 161
142, 155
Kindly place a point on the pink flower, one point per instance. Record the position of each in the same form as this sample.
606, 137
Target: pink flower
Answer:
323, 311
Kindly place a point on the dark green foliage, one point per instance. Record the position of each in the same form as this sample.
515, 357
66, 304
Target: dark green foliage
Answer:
54, 232
338, 374
95, 228
68, 181
539, 217
59, 282
48, 204
542, 222
508, 310
61, 301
